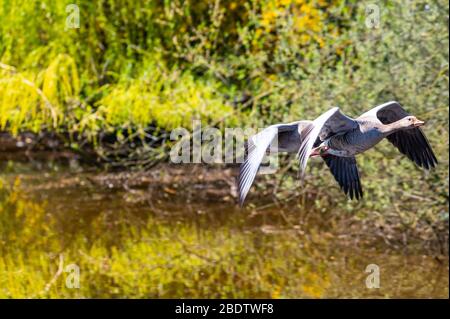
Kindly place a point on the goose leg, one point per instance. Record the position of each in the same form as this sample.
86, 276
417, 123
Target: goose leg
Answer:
319, 150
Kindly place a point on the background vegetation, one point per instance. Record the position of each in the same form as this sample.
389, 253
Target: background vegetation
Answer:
134, 70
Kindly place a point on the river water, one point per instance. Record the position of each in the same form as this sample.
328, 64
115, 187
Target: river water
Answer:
133, 243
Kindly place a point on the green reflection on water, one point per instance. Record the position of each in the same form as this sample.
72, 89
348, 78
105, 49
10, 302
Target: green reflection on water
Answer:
129, 245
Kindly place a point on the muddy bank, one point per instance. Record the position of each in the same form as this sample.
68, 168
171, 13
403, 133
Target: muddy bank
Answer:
181, 183
44, 146
197, 181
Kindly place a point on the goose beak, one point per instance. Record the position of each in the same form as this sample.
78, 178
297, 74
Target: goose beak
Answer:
418, 123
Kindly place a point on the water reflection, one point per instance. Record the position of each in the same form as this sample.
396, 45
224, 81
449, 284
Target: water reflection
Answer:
137, 243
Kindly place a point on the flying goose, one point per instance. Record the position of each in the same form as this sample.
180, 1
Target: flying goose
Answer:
337, 138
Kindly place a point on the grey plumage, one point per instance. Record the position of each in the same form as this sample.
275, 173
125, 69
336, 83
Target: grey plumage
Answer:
337, 138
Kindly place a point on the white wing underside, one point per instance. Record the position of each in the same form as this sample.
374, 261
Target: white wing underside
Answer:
256, 148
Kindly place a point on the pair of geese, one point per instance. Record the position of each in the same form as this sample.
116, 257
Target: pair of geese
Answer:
337, 138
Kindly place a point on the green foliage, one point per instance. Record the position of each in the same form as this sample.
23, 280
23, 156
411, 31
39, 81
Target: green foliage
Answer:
167, 99
135, 64
406, 59
107, 75
30, 101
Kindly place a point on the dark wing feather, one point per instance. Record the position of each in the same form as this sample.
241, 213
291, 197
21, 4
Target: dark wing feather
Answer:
411, 142
415, 146
345, 172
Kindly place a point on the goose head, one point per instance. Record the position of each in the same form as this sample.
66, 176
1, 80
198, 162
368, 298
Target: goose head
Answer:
409, 122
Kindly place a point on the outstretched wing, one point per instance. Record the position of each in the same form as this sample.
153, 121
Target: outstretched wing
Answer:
345, 172
257, 146
326, 125
412, 142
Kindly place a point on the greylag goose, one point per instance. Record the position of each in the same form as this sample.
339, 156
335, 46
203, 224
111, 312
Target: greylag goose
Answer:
337, 138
